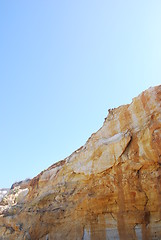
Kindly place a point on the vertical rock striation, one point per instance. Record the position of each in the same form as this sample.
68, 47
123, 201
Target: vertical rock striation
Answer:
108, 189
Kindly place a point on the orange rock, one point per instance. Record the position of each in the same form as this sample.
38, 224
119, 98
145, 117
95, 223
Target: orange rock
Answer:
108, 189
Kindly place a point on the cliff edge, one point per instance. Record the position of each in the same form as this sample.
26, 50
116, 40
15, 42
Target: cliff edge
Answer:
108, 189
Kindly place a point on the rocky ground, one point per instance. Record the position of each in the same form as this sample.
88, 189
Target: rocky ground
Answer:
108, 189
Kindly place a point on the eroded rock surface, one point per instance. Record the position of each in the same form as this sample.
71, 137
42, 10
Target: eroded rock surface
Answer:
108, 189
3, 192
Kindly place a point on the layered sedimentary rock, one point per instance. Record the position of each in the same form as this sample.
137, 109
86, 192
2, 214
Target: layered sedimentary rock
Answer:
108, 189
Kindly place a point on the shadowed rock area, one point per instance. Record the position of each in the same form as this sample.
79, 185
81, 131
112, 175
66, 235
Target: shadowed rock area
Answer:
108, 189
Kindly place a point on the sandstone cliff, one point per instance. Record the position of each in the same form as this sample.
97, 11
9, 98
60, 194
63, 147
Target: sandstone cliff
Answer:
108, 189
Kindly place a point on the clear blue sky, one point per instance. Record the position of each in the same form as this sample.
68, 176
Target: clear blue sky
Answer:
63, 64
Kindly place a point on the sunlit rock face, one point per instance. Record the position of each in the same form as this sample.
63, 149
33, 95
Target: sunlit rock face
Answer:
3, 192
108, 189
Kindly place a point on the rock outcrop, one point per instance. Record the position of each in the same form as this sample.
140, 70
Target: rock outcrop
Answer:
3, 192
108, 189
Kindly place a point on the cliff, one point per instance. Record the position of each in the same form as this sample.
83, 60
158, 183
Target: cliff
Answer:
108, 189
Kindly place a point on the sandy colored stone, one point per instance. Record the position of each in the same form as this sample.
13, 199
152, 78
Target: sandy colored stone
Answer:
108, 189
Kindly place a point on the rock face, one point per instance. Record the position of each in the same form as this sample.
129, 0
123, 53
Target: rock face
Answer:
3, 192
108, 189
